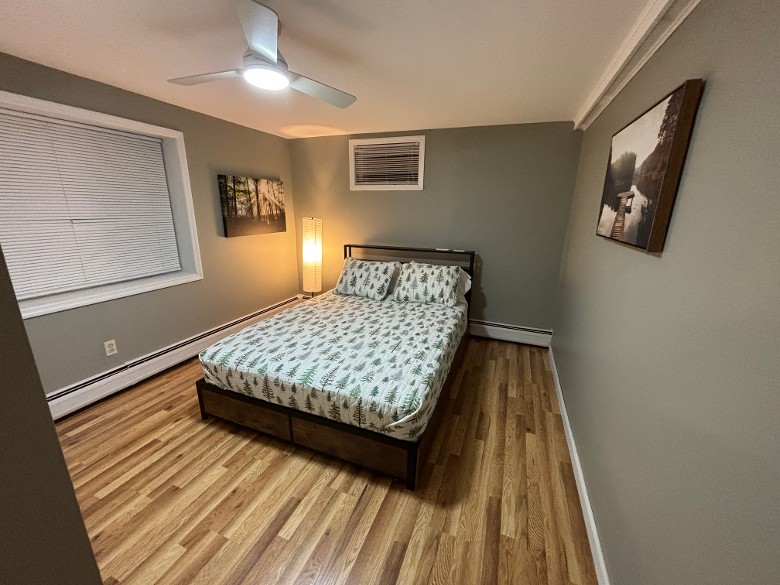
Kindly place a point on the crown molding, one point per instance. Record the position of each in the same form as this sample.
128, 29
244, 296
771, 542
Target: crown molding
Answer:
658, 20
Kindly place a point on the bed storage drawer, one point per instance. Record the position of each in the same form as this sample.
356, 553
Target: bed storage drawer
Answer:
345, 445
238, 411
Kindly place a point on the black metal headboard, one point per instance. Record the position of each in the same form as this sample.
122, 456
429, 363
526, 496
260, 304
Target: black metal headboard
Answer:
462, 258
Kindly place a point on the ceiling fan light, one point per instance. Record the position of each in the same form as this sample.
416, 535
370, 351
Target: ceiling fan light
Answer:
266, 77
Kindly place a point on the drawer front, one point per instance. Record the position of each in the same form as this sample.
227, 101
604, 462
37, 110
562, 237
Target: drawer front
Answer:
344, 445
249, 415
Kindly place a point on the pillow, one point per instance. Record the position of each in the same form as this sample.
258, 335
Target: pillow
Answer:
364, 278
464, 286
428, 283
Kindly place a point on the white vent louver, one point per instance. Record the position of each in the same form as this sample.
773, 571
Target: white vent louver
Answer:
387, 164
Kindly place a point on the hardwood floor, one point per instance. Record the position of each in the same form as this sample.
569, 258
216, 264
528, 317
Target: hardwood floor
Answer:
168, 498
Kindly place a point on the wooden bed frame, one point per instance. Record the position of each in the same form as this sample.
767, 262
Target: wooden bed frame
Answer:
400, 459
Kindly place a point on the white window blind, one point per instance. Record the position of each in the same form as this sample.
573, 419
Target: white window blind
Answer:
387, 163
81, 206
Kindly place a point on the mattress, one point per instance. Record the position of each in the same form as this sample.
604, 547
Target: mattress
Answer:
378, 365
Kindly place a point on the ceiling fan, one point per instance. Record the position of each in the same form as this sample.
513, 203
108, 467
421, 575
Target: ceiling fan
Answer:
264, 66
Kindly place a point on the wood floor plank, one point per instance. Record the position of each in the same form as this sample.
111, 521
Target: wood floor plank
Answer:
283, 559
317, 563
492, 545
308, 502
569, 566
156, 565
510, 484
376, 542
197, 555
555, 560
231, 565
217, 507
579, 533
169, 499
355, 534
392, 563
445, 563
421, 539
269, 490
136, 546
536, 532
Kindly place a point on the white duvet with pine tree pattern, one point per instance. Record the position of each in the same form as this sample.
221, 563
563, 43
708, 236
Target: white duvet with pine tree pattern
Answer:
378, 365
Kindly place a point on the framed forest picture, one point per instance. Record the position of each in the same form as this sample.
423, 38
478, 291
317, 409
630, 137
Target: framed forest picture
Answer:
644, 170
251, 205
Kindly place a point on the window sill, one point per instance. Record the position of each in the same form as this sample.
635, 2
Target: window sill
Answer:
81, 298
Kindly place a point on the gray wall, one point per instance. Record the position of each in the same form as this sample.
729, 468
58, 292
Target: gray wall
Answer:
241, 274
503, 191
669, 366
44, 539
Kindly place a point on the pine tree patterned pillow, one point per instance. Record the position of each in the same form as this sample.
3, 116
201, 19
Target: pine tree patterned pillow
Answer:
428, 283
364, 278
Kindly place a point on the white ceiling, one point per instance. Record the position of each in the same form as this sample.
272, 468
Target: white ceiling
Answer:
412, 63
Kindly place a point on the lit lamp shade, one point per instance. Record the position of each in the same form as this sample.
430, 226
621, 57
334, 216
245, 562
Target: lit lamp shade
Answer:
312, 254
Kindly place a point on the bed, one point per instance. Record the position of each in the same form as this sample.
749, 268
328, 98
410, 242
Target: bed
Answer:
357, 372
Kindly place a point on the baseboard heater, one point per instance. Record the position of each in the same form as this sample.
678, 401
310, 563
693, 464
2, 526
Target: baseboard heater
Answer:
507, 332
157, 360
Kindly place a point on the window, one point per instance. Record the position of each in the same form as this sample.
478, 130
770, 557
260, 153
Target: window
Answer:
387, 164
92, 207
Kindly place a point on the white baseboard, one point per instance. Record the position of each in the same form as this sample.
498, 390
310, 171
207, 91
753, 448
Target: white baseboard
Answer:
579, 478
513, 333
81, 394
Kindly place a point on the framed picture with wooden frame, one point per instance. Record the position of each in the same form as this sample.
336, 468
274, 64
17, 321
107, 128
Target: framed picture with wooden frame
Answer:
643, 173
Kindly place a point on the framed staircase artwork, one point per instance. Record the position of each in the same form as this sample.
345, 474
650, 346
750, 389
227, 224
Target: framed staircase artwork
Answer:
644, 170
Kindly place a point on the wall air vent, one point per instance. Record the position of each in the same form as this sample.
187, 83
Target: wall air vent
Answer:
387, 164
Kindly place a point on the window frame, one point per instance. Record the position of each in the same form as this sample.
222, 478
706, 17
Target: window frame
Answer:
418, 186
179, 189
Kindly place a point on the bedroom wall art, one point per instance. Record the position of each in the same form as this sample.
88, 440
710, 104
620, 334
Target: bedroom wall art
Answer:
644, 170
251, 205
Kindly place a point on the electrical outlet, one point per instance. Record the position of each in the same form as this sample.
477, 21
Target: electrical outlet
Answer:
110, 346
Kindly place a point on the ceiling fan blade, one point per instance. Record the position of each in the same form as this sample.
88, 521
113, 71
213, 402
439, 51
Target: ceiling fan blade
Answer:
261, 27
326, 93
205, 77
